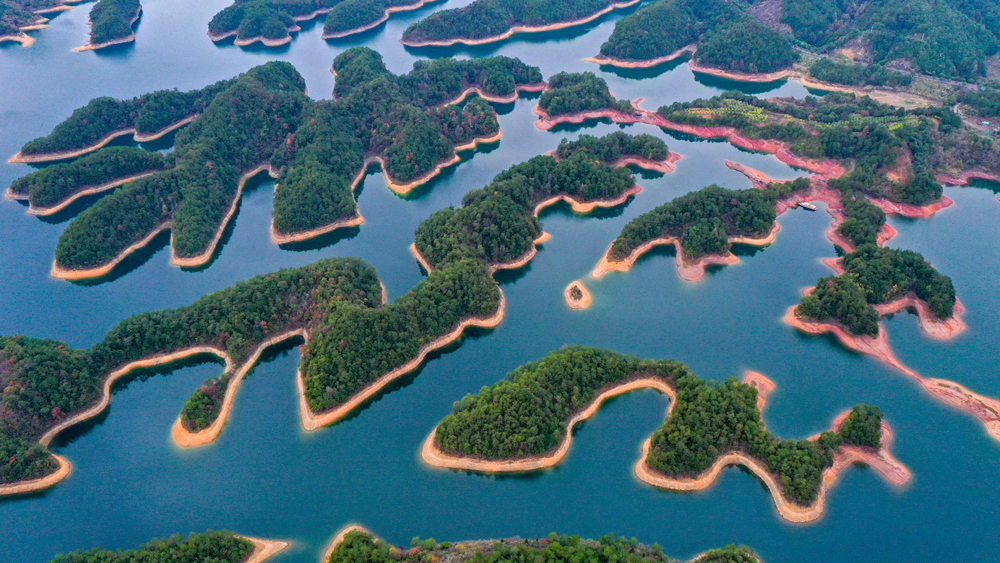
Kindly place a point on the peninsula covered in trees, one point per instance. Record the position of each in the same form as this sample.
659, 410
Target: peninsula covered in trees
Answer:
875, 276
726, 38
485, 21
354, 346
263, 120
359, 546
111, 23
215, 547
704, 221
531, 412
272, 21
498, 223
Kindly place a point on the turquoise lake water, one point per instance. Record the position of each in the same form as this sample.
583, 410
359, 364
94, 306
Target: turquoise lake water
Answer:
266, 477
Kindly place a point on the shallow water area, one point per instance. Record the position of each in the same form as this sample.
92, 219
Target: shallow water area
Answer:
266, 477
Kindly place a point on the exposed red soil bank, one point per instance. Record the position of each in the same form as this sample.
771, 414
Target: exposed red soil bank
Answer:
601, 60
986, 409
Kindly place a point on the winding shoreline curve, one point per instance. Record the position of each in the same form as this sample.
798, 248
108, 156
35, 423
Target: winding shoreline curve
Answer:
20, 158
385, 17
433, 456
186, 439
520, 29
77, 194
338, 538
648, 63
312, 421
41, 483
130, 38
881, 460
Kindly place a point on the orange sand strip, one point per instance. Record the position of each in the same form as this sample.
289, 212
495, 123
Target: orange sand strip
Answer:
740, 76
403, 189
263, 549
23, 38
880, 460
130, 38
139, 138
356, 221
520, 29
40, 484
986, 409
539, 87
435, 457
583, 302
312, 421
206, 255
385, 17
690, 49
45, 211
187, 439
59, 272
588, 206
762, 384
964, 178
337, 539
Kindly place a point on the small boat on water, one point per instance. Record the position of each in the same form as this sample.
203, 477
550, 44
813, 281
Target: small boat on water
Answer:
807, 205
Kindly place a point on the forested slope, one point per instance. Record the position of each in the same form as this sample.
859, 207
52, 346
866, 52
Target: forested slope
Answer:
527, 414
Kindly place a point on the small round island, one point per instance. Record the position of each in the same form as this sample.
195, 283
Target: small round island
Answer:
576, 295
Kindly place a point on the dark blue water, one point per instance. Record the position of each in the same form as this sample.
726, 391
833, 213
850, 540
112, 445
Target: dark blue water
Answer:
266, 477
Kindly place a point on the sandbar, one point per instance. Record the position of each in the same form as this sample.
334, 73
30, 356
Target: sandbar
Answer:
762, 384
23, 38
312, 421
433, 456
520, 29
263, 549
187, 439
986, 409
577, 303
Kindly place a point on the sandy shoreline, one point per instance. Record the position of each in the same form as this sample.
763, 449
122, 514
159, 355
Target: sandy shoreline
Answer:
691, 271
514, 30
41, 483
312, 421
826, 168
338, 538
130, 38
263, 549
741, 76
964, 178
70, 274
385, 17
583, 302
433, 456
606, 61
182, 437
23, 38
985, 409
880, 460
403, 189
204, 256
538, 87
64, 155
81, 192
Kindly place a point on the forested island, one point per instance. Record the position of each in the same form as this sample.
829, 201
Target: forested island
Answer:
872, 276
487, 21
111, 23
702, 226
722, 37
214, 547
318, 151
271, 22
525, 422
110, 20
360, 546
949, 38
498, 224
